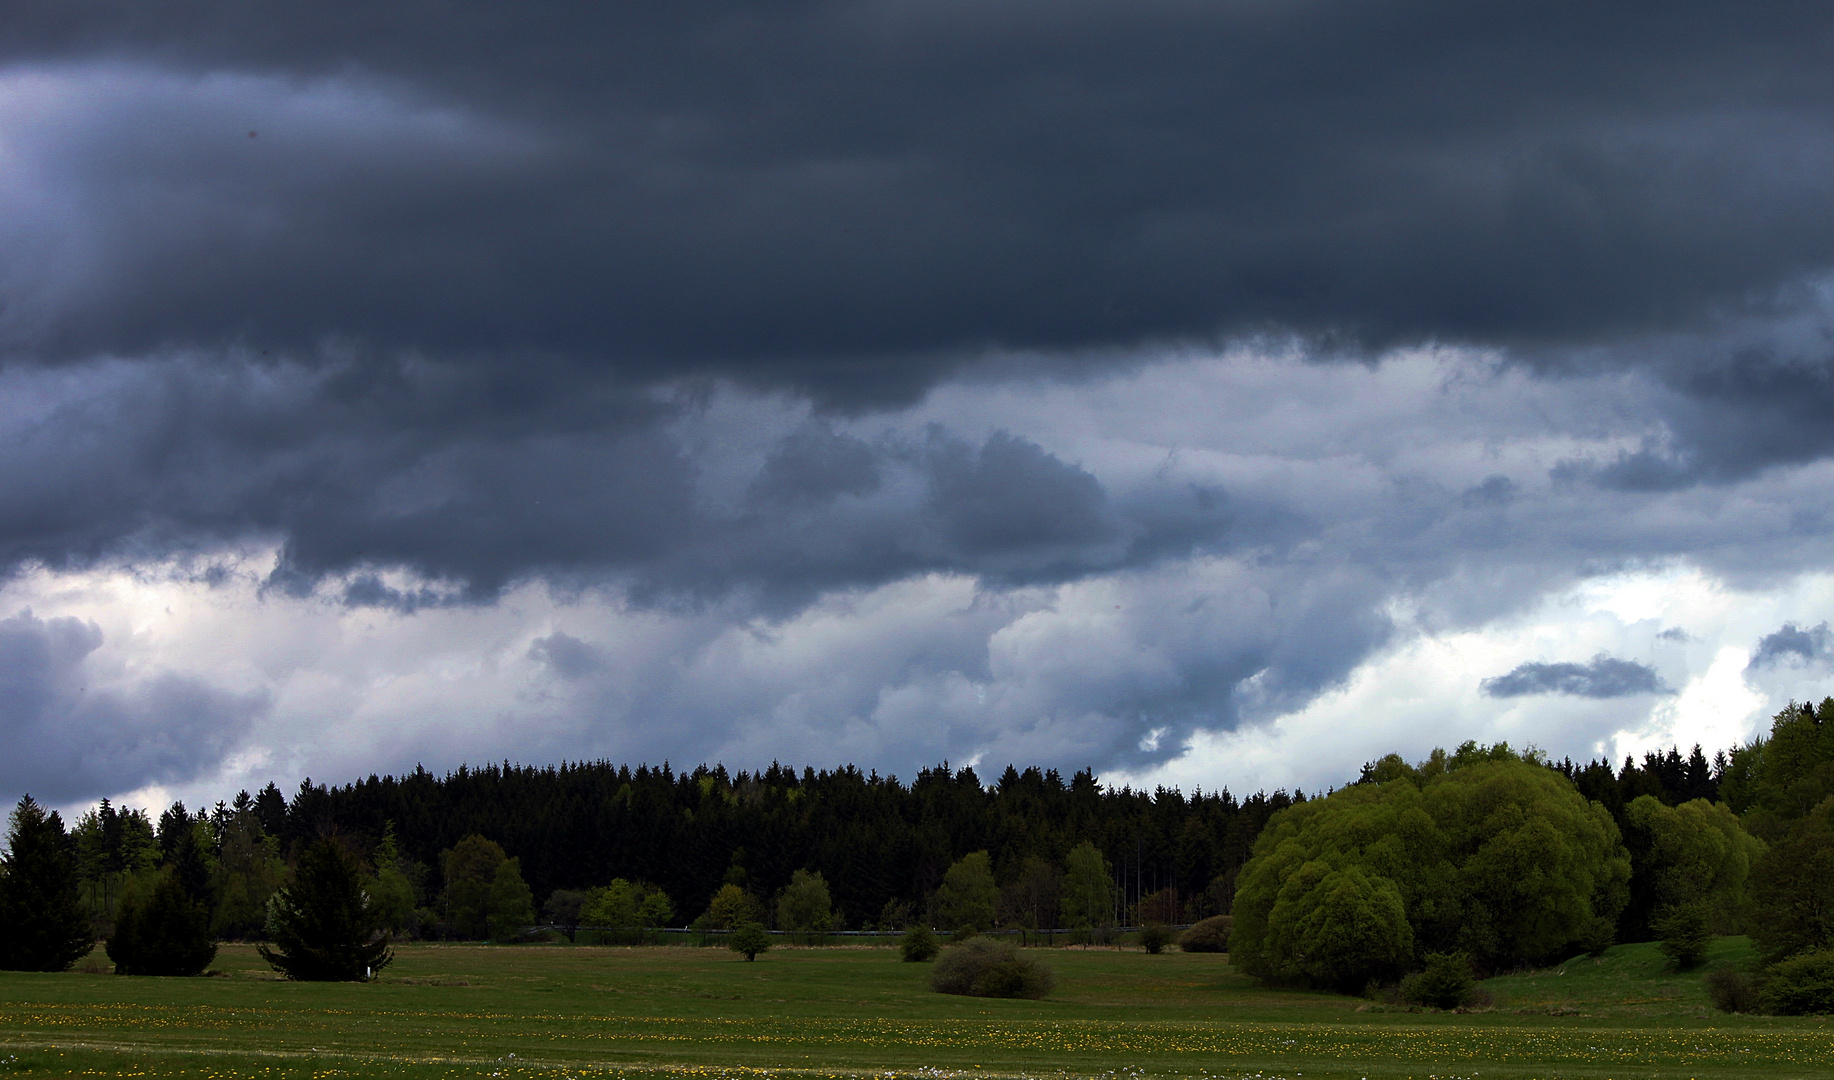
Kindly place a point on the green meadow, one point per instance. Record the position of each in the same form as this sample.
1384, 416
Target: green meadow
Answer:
555, 1011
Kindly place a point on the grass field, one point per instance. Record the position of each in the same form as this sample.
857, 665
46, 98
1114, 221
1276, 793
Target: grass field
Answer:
556, 1011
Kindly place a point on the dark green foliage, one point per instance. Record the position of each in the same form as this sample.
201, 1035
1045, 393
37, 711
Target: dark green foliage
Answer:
1732, 990
163, 932
1598, 936
1154, 937
471, 872
750, 939
875, 839
985, 968
1443, 983
322, 925
1792, 889
918, 944
1208, 935
1801, 986
41, 907
1684, 933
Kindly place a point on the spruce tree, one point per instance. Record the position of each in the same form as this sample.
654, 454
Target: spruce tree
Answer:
323, 925
164, 933
40, 905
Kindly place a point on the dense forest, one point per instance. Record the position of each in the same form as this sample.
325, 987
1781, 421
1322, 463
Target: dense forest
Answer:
881, 846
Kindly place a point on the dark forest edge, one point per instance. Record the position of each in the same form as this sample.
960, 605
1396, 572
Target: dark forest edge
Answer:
1675, 848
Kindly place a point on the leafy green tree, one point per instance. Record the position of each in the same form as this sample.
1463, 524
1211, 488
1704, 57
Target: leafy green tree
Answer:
1802, 985
730, 908
918, 944
512, 903
749, 938
471, 871
1088, 888
322, 925
249, 869
1033, 898
162, 931
805, 905
965, 900
1792, 889
391, 891
41, 907
1694, 853
1338, 927
1684, 932
1495, 856
632, 904
1154, 937
1443, 982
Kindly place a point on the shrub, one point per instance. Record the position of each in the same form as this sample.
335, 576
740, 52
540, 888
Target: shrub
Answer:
1802, 985
1600, 934
1154, 937
1731, 990
749, 938
1210, 935
1685, 934
983, 968
919, 944
1445, 982
166, 933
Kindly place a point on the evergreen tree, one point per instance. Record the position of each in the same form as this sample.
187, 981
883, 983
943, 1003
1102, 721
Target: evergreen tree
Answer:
163, 933
41, 907
322, 924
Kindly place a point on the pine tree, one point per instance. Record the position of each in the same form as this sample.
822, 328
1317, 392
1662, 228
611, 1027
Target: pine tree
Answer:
165, 933
323, 925
41, 907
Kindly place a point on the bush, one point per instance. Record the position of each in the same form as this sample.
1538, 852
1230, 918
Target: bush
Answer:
919, 944
983, 968
1802, 985
1731, 990
1210, 935
1445, 982
1685, 934
1154, 937
166, 933
1600, 934
751, 939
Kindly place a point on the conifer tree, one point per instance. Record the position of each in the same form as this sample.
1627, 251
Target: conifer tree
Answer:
323, 925
41, 908
163, 933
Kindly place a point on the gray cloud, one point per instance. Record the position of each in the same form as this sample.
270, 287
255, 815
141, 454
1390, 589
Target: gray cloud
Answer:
69, 738
1792, 644
1602, 677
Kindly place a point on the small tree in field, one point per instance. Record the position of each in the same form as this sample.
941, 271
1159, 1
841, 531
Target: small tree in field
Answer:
918, 945
41, 909
323, 925
751, 939
165, 932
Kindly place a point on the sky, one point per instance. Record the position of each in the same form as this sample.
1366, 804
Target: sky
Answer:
1212, 395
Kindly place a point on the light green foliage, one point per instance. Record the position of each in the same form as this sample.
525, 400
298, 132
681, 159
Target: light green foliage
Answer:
1698, 854
1088, 888
391, 891
624, 904
471, 869
805, 905
43, 924
749, 939
1338, 928
512, 904
1488, 853
965, 900
730, 908
1781, 778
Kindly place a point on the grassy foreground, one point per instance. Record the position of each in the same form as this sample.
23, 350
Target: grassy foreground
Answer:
557, 1011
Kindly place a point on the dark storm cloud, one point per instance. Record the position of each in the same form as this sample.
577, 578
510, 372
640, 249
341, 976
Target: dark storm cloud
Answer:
846, 196
1603, 677
1792, 644
68, 740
